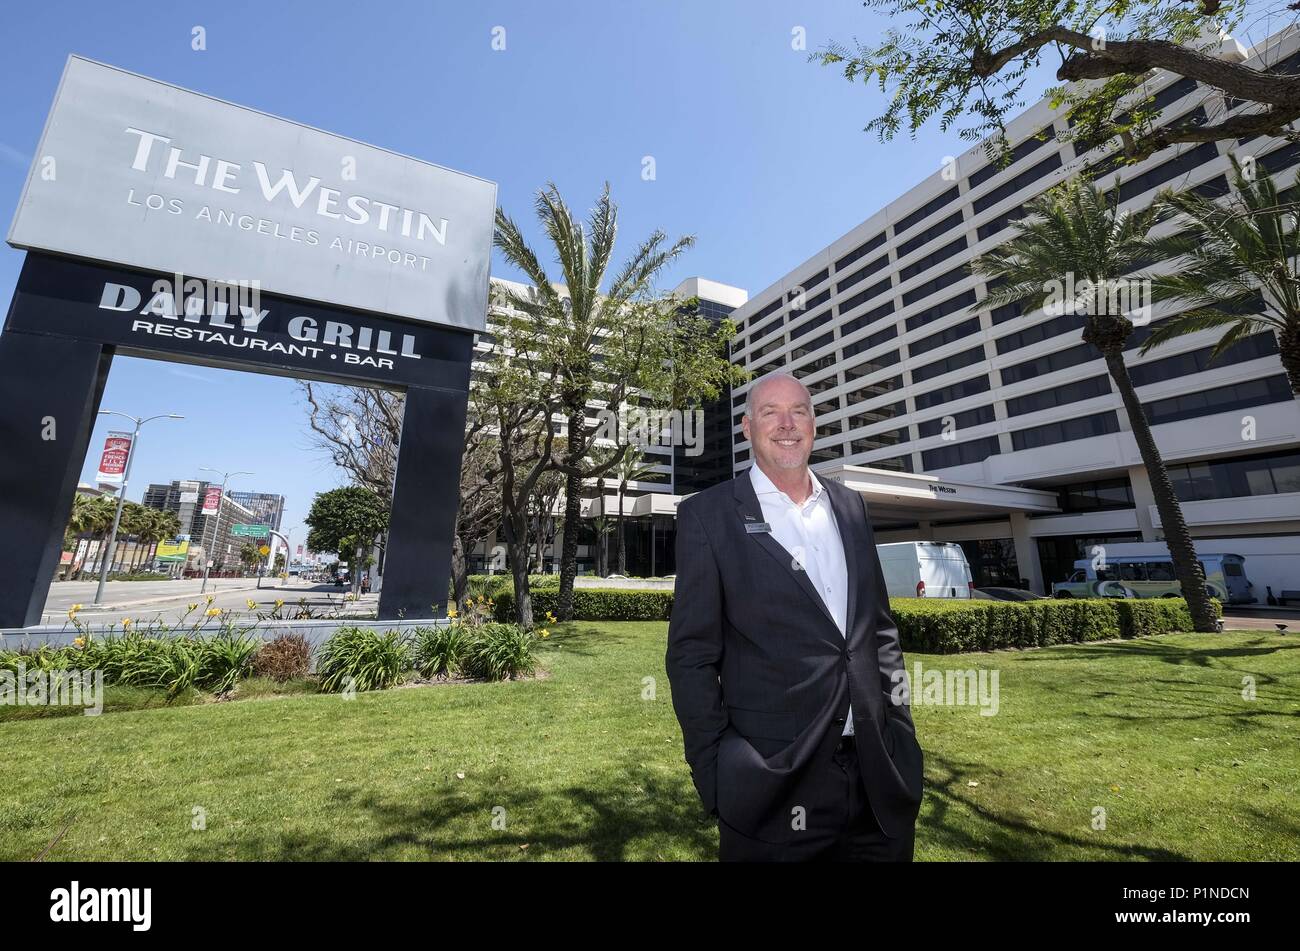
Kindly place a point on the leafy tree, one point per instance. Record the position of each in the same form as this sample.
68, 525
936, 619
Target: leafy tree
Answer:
949, 60
633, 468
611, 346
249, 555
1235, 266
1075, 230
355, 515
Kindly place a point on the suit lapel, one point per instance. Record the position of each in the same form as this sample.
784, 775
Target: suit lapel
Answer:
748, 510
847, 508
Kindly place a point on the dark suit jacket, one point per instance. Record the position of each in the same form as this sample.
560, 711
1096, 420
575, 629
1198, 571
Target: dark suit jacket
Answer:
761, 677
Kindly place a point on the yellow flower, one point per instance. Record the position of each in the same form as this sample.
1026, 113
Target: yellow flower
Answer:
211, 598
551, 618
251, 604
126, 623
279, 602
79, 641
74, 609
213, 612
451, 612
544, 632
191, 607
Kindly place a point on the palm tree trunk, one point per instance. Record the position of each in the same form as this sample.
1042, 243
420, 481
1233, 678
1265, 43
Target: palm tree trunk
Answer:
1289, 347
622, 535
1187, 568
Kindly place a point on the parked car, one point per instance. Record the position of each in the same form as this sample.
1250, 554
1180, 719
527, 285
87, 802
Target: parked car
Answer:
926, 570
1149, 576
1010, 594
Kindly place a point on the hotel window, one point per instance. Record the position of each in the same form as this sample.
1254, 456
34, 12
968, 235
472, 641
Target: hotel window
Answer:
877, 415
867, 319
1066, 323
742, 455
1027, 147
829, 429
810, 325
935, 284
931, 314
1205, 152
1007, 312
934, 258
1221, 399
810, 303
895, 463
1264, 474
878, 388
951, 223
953, 392
861, 296
859, 252
1061, 360
937, 340
1013, 185
812, 281
967, 419
955, 362
1198, 361
1002, 221
821, 386
861, 274
1067, 430
829, 454
867, 367
878, 440
1096, 496
925, 211
960, 454
1059, 396
869, 341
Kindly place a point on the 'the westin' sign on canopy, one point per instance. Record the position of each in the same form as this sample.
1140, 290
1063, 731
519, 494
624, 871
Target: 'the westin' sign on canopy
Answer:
144, 174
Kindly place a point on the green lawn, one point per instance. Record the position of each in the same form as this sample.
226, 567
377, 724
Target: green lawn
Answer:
579, 766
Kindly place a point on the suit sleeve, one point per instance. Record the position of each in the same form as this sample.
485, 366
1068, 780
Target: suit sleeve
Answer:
893, 667
694, 658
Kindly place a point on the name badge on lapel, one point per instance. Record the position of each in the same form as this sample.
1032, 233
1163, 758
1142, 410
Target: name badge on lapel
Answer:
757, 528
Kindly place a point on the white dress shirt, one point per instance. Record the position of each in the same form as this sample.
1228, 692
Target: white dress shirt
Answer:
812, 537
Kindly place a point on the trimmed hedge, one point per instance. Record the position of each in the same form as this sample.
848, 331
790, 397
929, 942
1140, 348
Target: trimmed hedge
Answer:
594, 604
928, 625
951, 627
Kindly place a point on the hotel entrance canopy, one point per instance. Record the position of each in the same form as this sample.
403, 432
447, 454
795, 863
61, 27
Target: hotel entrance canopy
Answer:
893, 498
901, 498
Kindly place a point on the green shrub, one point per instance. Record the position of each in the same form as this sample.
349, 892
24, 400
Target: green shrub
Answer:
499, 652
438, 650
362, 659
943, 626
283, 658
595, 604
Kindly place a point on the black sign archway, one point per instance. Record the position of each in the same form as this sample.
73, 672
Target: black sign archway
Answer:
70, 317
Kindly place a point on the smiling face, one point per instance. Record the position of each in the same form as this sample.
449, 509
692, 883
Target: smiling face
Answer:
781, 429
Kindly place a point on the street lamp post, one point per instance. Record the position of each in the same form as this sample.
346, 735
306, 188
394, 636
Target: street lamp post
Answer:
107, 559
216, 526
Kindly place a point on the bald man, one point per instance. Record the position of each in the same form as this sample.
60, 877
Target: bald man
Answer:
785, 665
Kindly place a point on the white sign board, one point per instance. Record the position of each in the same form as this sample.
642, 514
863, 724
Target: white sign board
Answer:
140, 173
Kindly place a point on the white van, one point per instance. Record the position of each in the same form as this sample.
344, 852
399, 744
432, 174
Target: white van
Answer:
926, 570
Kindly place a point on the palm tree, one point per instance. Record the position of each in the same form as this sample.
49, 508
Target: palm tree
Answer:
583, 314
92, 515
1067, 255
1232, 254
633, 468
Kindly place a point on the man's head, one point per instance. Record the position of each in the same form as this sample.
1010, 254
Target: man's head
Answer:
779, 422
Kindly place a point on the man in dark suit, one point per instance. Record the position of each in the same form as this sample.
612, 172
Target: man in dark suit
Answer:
786, 671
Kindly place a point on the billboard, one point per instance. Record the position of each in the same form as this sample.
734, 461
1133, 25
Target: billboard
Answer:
144, 174
211, 501
173, 551
112, 462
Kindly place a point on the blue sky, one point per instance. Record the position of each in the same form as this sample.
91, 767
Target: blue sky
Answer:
758, 153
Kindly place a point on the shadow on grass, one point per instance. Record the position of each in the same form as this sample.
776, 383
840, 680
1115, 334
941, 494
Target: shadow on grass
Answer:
600, 822
1004, 838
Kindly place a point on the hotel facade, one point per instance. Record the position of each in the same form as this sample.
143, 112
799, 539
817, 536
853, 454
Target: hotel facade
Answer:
999, 429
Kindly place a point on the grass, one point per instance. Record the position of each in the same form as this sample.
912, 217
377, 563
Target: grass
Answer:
580, 766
